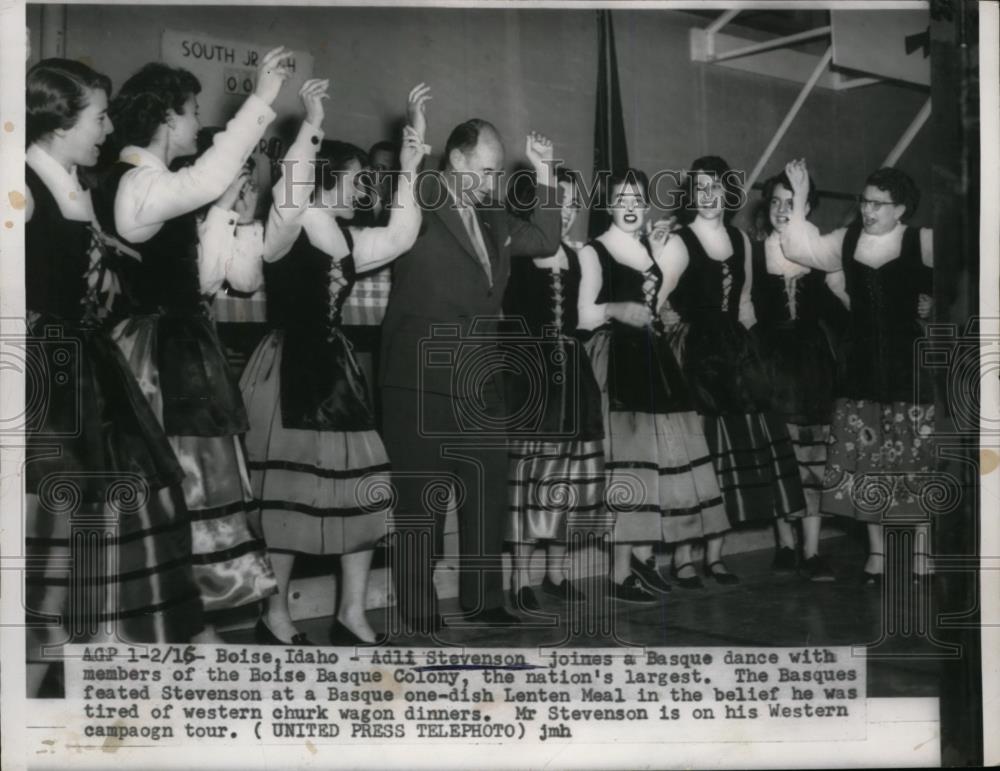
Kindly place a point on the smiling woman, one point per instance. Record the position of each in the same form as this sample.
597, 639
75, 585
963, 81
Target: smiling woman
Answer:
881, 449
139, 587
170, 342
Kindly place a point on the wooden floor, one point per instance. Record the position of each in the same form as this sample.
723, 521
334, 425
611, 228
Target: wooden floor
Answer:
765, 609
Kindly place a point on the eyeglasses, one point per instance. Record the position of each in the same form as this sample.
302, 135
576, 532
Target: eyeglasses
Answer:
875, 206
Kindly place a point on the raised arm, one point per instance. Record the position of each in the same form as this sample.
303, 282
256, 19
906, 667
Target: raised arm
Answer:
541, 236
801, 241
375, 247
293, 191
149, 196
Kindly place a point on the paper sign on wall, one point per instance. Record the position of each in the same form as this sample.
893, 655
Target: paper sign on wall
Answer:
227, 70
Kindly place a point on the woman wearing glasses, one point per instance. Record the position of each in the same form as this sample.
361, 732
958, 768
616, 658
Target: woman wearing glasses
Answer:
709, 276
880, 445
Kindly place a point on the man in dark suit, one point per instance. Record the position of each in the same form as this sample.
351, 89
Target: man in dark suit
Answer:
443, 410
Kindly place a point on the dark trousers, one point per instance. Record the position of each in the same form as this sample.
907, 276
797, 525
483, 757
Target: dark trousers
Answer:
425, 467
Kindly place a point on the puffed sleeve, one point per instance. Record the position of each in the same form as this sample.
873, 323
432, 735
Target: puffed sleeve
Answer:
292, 193
802, 242
147, 196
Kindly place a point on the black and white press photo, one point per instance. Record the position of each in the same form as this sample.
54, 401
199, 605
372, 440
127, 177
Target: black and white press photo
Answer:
501, 384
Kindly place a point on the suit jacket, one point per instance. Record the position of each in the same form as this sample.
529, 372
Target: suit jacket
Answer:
441, 281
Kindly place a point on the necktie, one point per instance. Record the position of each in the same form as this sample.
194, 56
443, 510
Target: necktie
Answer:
468, 215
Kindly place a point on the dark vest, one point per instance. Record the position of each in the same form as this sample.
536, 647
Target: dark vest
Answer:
201, 396
322, 386
884, 326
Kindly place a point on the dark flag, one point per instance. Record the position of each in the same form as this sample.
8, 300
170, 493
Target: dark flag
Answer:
610, 150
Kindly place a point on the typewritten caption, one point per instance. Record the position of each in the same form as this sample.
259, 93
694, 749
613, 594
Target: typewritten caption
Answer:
173, 695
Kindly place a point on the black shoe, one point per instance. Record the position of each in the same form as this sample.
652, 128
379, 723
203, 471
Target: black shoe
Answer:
721, 576
689, 582
565, 591
524, 599
262, 635
498, 616
631, 591
341, 636
816, 569
784, 560
647, 573
53, 685
872, 579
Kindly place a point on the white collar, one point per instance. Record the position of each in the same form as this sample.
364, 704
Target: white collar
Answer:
73, 201
617, 240
882, 247
140, 156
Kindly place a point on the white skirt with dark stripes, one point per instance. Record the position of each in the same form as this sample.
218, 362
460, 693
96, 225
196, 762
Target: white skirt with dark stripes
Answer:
661, 483
316, 492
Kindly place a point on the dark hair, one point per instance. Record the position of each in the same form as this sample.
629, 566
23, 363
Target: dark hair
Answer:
333, 159
141, 106
762, 219
384, 146
56, 94
523, 196
899, 185
465, 136
629, 176
732, 196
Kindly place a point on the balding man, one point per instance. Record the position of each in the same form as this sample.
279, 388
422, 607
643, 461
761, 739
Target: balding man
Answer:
443, 410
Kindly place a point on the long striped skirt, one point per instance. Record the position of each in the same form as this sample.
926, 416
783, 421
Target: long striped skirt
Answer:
113, 571
661, 485
231, 567
556, 490
106, 533
316, 492
809, 443
881, 463
756, 466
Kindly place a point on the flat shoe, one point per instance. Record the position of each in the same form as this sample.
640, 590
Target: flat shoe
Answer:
262, 635
631, 591
687, 582
726, 579
647, 573
341, 636
524, 599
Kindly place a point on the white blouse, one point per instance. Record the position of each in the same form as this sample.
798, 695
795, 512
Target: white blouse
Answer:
292, 212
802, 242
150, 195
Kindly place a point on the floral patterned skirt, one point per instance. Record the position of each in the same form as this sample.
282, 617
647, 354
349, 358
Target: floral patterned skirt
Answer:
880, 461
